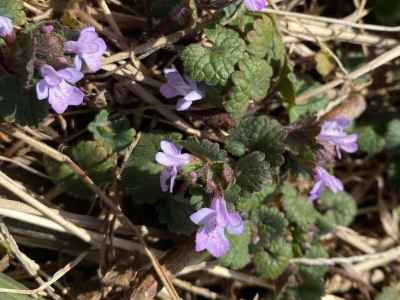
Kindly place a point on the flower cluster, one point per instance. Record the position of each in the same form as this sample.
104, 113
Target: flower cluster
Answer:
56, 85
213, 220
333, 139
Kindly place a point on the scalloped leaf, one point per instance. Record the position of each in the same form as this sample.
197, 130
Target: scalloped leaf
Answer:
6, 282
19, 105
297, 208
253, 172
369, 140
14, 9
271, 224
205, 149
95, 159
250, 82
115, 134
337, 209
238, 255
250, 202
258, 134
313, 274
141, 177
214, 65
265, 40
271, 263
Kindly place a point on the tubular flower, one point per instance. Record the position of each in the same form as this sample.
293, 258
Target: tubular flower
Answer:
173, 160
323, 179
6, 29
212, 222
89, 48
255, 5
333, 136
56, 88
180, 86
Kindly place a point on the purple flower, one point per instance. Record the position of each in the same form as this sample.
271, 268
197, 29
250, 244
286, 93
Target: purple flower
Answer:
255, 5
212, 222
322, 180
6, 29
173, 160
89, 47
332, 135
180, 86
56, 88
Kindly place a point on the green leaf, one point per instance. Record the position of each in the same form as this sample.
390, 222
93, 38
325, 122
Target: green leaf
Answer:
6, 282
14, 9
115, 134
393, 135
313, 274
369, 140
19, 105
388, 293
215, 64
250, 82
298, 209
250, 202
253, 172
270, 264
309, 291
204, 149
141, 177
175, 212
258, 134
287, 85
271, 224
238, 254
264, 40
95, 159
338, 209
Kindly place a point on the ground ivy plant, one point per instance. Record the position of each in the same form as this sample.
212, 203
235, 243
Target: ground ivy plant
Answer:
235, 194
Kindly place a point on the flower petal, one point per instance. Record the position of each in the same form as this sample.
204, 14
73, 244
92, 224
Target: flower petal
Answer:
235, 225
50, 75
42, 89
169, 148
201, 216
71, 47
167, 160
93, 62
217, 243
201, 240
194, 96
78, 62
164, 177
183, 104
71, 75
168, 91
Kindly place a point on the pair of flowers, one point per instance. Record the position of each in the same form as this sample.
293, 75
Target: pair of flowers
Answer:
56, 85
334, 140
212, 221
